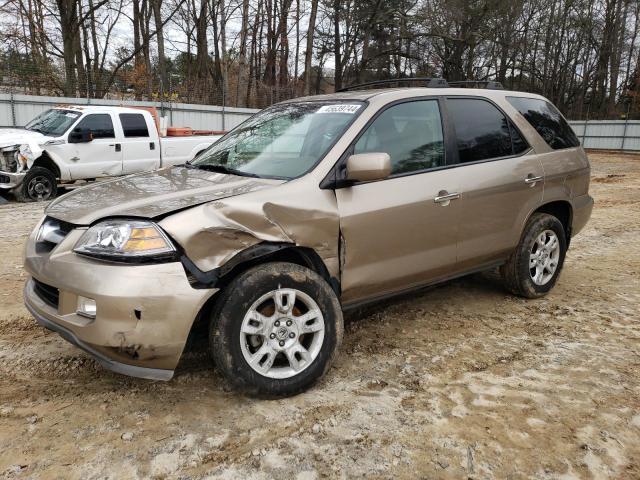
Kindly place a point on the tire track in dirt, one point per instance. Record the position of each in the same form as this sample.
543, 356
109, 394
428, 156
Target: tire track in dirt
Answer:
459, 381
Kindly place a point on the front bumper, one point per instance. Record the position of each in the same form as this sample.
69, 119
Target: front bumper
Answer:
9, 181
106, 362
144, 312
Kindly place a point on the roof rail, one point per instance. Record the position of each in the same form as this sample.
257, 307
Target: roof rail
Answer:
488, 84
430, 83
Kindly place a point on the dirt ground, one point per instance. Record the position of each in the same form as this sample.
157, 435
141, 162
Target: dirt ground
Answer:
460, 381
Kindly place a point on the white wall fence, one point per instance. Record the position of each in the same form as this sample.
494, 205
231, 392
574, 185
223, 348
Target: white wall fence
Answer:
608, 134
17, 110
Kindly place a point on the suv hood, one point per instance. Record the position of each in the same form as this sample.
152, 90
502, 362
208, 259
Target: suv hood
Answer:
19, 136
151, 194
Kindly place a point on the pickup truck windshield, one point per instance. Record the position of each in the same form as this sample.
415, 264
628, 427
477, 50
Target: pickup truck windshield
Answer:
283, 141
53, 122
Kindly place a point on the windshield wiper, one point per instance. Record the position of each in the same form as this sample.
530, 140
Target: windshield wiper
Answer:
221, 169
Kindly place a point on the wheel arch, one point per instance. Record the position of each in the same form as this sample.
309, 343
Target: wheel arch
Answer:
261, 253
198, 149
264, 252
562, 210
45, 161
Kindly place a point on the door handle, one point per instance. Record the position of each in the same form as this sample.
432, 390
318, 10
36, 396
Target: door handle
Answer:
444, 198
531, 180
117, 145
152, 146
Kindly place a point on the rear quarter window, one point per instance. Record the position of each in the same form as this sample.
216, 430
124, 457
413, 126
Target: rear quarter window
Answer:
547, 121
134, 125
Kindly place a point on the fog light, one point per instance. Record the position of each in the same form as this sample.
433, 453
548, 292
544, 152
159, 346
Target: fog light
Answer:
86, 307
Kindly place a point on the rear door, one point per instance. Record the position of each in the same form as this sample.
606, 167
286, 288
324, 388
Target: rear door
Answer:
566, 167
400, 232
100, 157
501, 180
140, 148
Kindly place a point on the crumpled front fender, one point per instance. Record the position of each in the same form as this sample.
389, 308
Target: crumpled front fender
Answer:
295, 212
31, 151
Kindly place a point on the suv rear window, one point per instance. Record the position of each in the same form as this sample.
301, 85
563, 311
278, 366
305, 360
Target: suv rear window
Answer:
547, 121
482, 131
134, 125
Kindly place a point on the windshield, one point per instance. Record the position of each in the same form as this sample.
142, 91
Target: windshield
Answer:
283, 141
53, 122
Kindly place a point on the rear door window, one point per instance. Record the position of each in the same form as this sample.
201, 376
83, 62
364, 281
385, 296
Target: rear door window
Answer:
134, 125
410, 132
99, 124
482, 131
547, 121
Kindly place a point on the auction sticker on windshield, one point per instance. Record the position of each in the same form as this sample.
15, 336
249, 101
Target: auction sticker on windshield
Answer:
339, 108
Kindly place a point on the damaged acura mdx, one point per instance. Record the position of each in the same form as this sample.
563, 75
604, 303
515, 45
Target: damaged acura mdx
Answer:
309, 207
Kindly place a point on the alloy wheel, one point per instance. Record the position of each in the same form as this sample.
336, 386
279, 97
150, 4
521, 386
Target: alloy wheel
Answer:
544, 257
282, 333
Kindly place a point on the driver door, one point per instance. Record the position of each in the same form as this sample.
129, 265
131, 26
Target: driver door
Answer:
102, 156
402, 231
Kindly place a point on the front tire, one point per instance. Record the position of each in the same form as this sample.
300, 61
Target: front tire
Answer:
39, 184
275, 329
533, 268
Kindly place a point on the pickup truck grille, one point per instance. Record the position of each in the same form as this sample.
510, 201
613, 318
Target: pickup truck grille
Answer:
49, 295
8, 161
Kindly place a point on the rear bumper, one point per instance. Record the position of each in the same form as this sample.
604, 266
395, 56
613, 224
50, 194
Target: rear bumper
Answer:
582, 208
9, 181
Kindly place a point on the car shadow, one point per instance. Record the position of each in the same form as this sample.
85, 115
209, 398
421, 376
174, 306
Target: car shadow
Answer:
196, 357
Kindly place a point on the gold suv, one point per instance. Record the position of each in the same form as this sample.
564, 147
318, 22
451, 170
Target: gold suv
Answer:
310, 207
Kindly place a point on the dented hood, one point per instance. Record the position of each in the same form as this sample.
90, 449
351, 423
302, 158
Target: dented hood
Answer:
19, 136
151, 194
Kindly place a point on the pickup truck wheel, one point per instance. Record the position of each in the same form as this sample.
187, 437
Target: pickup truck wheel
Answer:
39, 184
534, 266
275, 329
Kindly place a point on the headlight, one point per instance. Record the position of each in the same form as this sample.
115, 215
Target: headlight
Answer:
123, 239
24, 155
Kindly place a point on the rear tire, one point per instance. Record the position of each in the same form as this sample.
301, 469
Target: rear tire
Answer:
39, 185
275, 329
534, 266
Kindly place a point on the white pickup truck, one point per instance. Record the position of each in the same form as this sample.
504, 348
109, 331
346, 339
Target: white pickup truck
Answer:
70, 143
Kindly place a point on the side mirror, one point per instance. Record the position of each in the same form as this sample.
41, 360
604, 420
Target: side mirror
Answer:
80, 135
366, 167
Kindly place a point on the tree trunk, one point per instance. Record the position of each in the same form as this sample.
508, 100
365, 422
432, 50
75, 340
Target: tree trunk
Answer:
337, 78
156, 5
308, 54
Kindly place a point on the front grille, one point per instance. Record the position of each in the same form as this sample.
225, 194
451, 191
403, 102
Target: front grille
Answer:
52, 232
8, 159
5, 179
50, 295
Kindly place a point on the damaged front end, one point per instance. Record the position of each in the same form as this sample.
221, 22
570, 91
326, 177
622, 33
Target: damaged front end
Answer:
14, 164
217, 236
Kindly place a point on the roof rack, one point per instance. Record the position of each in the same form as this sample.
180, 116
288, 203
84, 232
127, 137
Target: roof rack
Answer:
430, 83
488, 84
